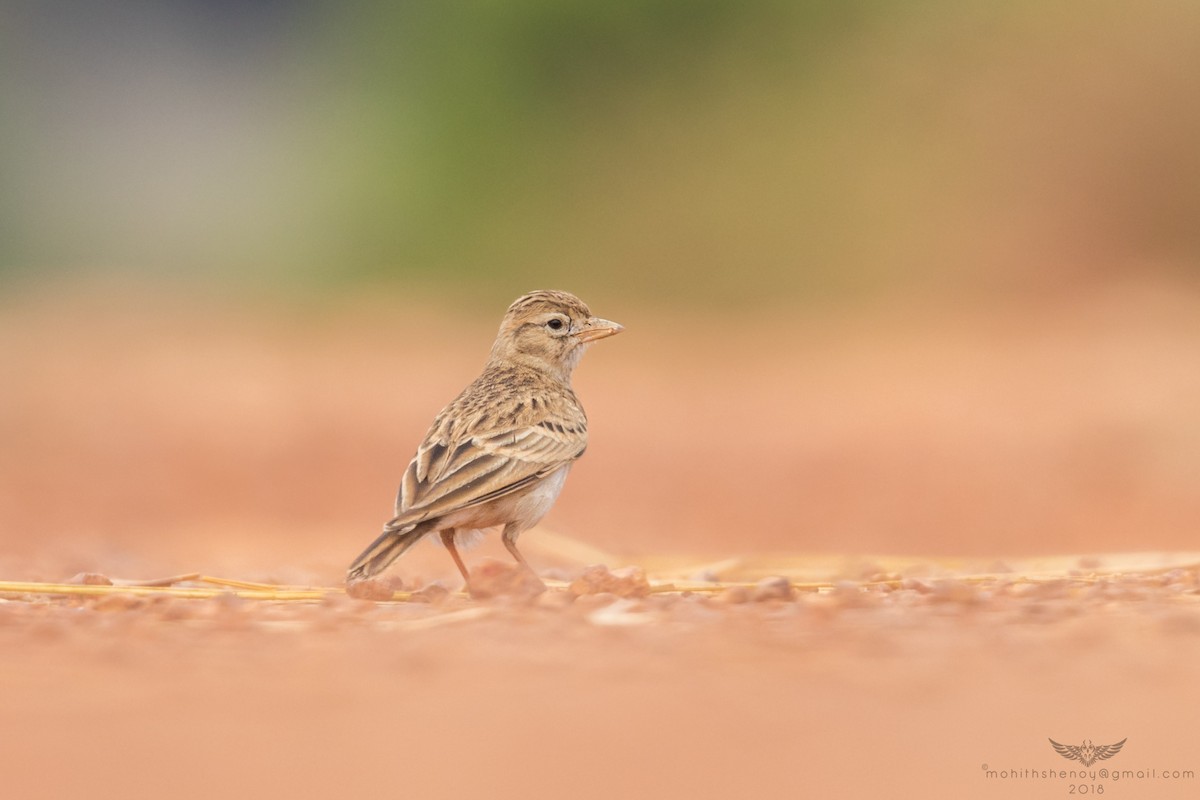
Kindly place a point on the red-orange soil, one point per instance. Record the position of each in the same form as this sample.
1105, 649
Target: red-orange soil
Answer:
146, 437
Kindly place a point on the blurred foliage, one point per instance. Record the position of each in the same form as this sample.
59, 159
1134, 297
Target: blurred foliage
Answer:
536, 131
676, 150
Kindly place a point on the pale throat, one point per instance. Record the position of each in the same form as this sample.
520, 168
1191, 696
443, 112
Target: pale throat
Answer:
545, 363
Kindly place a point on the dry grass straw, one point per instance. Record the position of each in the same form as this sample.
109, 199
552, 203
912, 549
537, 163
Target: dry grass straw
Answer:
209, 587
812, 573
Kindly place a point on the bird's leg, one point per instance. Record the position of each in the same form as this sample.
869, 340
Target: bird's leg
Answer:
510, 541
448, 540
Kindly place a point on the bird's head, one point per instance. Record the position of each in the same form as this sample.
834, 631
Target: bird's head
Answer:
549, 330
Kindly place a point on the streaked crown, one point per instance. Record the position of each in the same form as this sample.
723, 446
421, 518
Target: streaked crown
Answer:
547, 300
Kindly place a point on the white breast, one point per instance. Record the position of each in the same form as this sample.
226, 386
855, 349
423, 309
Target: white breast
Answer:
534, 505
524, 508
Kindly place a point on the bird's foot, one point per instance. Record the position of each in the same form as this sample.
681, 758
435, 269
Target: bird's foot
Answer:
498, 579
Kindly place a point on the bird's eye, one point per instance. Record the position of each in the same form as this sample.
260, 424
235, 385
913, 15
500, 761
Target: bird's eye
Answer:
555, 324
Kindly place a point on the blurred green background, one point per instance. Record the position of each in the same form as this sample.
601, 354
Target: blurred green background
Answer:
679, 151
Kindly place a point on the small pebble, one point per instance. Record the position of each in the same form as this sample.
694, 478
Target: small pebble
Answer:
773, 588
434, 593
369, 589
90, 579
626, 582
951, 591
495, 578
734, 595
848, 594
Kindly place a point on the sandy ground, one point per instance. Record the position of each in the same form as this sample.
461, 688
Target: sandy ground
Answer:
146, 437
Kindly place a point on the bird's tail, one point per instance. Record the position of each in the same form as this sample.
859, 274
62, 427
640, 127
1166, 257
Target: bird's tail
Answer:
390, 545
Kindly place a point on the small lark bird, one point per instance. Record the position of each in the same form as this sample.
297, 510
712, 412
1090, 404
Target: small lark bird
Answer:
500, 452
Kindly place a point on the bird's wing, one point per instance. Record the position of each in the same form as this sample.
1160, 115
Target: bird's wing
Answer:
1066, 751
459, 466
1109, 750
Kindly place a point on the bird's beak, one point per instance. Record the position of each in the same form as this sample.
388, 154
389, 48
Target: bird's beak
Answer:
596, 328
